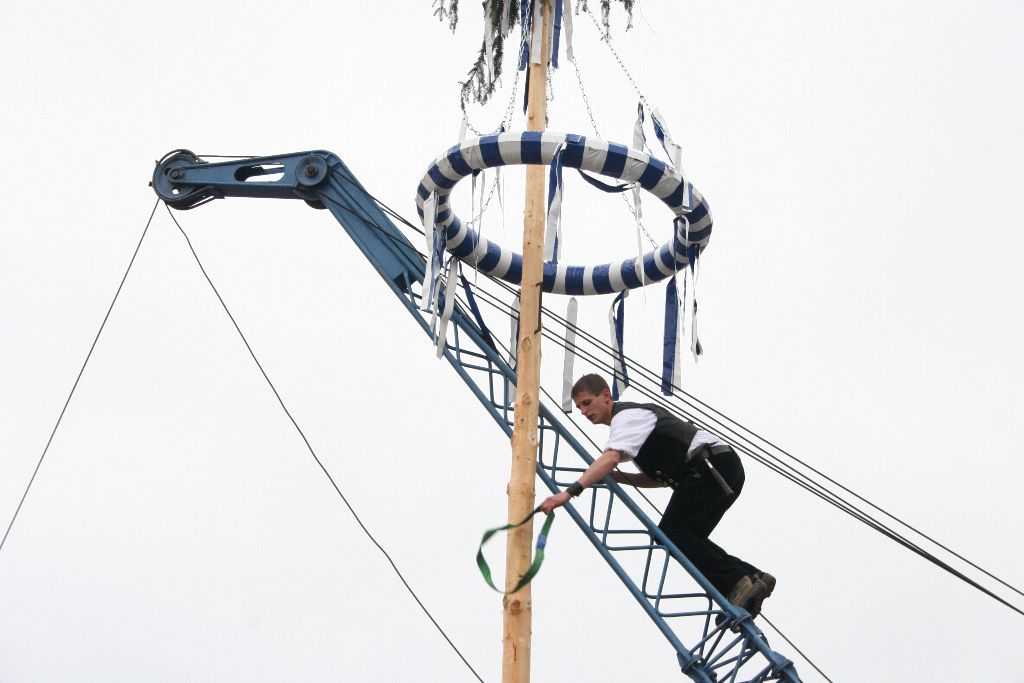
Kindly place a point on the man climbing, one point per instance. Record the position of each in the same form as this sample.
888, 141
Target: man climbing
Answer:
704, 472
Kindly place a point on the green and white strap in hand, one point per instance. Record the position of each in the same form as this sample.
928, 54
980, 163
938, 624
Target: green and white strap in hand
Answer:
538, 556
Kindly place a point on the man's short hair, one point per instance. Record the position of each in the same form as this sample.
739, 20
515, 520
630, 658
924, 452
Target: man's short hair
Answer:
592, 384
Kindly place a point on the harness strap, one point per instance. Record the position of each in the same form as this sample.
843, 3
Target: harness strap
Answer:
706, 451
538, 556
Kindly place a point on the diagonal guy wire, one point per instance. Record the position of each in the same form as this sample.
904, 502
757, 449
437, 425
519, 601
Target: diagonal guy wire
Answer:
82, 370
312, 452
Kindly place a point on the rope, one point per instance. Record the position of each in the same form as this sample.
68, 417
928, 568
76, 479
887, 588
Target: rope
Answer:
79, 377
312, 452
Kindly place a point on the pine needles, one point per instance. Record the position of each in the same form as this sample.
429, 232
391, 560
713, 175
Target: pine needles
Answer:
482, 78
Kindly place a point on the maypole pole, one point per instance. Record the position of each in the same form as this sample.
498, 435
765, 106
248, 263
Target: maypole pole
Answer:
518, 607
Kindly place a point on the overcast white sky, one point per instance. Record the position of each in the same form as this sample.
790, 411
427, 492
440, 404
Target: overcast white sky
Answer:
859, 307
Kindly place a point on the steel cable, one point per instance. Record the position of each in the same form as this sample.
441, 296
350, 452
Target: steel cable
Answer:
757, 452
81, 370
319, 462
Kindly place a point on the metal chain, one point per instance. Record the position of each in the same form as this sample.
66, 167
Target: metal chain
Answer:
606, 38
586, 100
593, 123
639, 221
506, 119
483, 207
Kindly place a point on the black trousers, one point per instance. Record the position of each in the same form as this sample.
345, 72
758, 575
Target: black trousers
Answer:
696, 506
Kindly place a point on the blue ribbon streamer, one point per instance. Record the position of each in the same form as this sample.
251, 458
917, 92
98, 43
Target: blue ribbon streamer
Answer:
471, 300
659, 132
525, 19
620, 319
440, 242
555, 192
433, 277
668, 357
558, 32
604, 186
526, 90
692, 255
638, 127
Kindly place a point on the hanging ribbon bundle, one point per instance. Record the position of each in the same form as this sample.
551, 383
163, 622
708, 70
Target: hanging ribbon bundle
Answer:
435, 253
675, 326
552, 251
448, 307
533, 46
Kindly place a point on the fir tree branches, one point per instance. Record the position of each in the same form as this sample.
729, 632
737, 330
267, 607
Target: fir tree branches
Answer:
606, 10
482, 77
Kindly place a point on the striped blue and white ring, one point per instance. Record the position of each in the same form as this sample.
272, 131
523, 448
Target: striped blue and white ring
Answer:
596, 156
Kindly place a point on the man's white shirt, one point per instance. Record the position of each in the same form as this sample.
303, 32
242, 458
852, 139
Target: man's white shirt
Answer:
631, 427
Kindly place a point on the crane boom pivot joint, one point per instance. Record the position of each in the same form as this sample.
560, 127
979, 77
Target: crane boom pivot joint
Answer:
185, 181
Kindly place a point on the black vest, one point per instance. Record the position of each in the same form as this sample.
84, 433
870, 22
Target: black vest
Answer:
663, 455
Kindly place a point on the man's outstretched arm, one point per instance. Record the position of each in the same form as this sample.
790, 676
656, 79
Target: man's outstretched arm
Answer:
637, 479
597, 471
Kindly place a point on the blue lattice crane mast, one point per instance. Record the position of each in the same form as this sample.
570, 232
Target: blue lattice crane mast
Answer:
713, 640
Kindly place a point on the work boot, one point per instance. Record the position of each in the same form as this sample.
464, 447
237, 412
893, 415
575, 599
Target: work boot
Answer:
739, 594
762, 586
741, 589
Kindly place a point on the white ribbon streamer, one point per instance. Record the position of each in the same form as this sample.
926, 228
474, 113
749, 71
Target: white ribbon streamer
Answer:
449, 304
480, 223
639, 140
537, 37
567, 25
570, 354
429, 230
618, 367
513, 343
675, 152
695, 346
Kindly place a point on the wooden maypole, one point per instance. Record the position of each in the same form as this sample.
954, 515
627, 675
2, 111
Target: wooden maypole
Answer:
518, 607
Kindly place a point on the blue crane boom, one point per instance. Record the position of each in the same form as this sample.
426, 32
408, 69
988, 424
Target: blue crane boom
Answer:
644, 559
